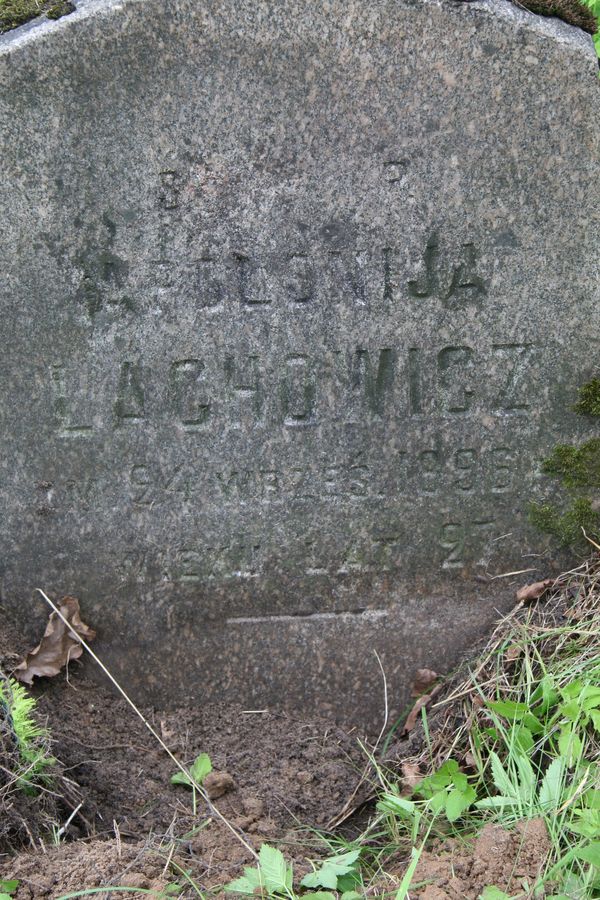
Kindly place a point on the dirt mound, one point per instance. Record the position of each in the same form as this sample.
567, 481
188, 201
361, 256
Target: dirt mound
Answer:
509, 860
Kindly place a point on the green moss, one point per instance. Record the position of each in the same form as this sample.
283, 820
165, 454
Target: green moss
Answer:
17, 12
567, 526
589, 399
572, 11
58, 10
576, 467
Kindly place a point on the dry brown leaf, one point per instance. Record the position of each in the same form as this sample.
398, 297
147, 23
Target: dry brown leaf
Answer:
423, 680
411, 719
513, 652
411, 776
532, 592
58, 646
470, 761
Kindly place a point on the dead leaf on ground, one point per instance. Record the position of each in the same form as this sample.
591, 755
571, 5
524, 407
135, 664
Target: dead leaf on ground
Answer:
411, 719
513, 652
532, 592
411, 776
59, 644
423, 680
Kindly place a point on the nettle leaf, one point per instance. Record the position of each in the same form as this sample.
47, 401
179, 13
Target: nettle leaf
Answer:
595, 719
590, 854
277, 875
347, 883
249, 882
400, 806
333, 870
323, 877
590, 697
569, 744
508, 709
319, 895
495, 802
588, 824
493, 893
199, 769
458, 802
9, 886
524, 738
551, 789
502, 781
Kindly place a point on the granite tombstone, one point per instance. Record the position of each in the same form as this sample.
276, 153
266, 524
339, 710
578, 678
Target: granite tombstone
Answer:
295, 298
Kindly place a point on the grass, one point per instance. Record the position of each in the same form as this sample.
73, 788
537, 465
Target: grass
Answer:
515, 737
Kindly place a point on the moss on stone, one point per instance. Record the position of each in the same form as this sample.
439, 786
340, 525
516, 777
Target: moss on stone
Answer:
567, 526
589, 399
576, 467
571, 11
16, 12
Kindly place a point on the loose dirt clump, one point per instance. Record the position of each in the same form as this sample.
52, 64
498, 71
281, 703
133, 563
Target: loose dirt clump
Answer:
509, 860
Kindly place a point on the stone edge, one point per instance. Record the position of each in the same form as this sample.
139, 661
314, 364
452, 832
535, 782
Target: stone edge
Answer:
551, 28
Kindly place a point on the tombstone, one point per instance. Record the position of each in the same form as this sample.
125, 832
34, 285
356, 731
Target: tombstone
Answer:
295, 299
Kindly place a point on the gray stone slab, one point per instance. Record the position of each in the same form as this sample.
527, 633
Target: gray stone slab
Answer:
295, 296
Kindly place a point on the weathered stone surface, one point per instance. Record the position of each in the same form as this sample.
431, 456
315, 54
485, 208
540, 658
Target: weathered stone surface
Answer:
295, 298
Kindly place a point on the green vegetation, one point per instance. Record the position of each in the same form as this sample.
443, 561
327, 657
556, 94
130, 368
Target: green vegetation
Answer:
16, 12
578, 471
594, 7
30, 742
200, 768
527, 750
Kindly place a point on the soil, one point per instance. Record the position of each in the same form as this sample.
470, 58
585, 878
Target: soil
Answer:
275, 774
276, 777
510, 860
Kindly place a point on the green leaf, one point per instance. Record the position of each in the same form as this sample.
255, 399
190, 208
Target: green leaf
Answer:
496, 802
180, 778
400, 806
323, 877
590, 854
551, 789
9, 886
201, 768
274, 870
438, 802
351, 895
319, 895
527, 779
595, 719
347, 883
590, 697
524, 739
247, 884
333, 868
508, 709
493, 893
501, 779
458, 802
569, 744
